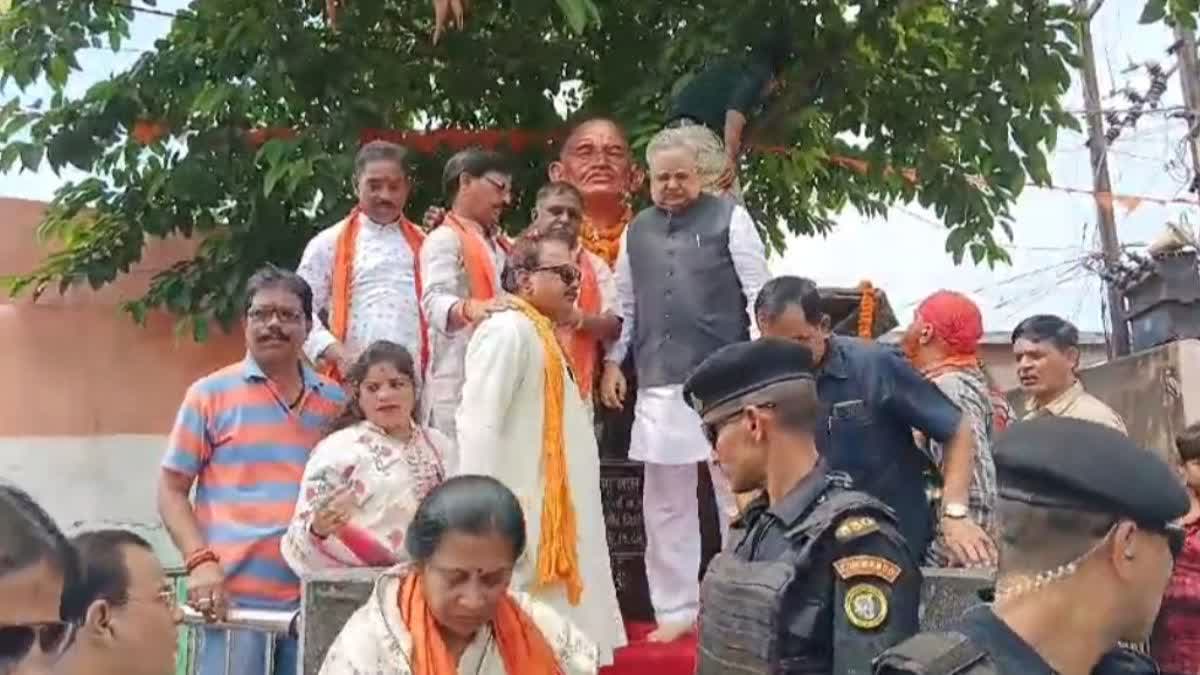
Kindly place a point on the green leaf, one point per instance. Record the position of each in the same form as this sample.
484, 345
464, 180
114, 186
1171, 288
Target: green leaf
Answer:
1154, 11
58, 72
31, 156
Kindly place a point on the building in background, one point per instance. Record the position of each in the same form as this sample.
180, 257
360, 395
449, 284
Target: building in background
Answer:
89, 397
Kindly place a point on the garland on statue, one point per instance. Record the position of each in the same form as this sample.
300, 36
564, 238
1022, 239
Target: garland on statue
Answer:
866, 311
605, 242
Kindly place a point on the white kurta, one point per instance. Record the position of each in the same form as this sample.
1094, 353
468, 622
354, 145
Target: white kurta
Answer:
375, 640
383, 295
444, 281
500, 435
665, 428
389, 479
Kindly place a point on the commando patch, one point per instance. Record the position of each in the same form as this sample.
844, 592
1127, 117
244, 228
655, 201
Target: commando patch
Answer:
866, 607
854, 528
867, 566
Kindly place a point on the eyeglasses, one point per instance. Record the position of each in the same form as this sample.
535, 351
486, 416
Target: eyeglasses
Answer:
17, 639
165, 597
566, 271
264, 314
713, 429
500, 185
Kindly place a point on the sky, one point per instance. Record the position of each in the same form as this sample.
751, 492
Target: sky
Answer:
904, 252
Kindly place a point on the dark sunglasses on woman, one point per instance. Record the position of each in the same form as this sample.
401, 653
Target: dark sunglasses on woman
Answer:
16, 640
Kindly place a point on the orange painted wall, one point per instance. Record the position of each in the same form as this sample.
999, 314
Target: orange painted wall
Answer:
76, 365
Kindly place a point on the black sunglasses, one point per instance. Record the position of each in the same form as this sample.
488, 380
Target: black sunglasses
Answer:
713, 429
566, 271
17, 639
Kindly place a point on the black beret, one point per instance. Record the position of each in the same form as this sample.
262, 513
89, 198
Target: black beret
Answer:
1070, 463
744, 368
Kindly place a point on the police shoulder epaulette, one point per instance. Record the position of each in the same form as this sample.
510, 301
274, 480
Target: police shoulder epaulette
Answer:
855, 527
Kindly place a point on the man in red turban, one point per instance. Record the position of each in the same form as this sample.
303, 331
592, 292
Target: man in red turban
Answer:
943, 343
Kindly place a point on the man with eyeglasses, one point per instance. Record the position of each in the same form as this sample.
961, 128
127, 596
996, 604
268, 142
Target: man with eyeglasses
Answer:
1087, 546
815, 576
688, 272
523, 421
242, 438
461, 262
36, 563
124, 606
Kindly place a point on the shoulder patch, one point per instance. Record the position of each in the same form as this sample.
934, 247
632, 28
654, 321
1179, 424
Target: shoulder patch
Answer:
867, 566
853, 528
866, 607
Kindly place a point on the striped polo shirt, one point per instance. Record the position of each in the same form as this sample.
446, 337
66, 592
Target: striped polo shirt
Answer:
246, 449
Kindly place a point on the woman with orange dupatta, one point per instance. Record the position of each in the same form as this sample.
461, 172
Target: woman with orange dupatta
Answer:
450, 612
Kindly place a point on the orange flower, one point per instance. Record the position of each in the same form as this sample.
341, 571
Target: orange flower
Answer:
866, 311
146, 132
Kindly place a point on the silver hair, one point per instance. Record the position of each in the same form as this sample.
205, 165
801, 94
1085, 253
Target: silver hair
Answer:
693, 139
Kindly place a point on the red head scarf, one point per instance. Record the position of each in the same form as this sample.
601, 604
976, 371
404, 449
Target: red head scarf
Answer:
955, 319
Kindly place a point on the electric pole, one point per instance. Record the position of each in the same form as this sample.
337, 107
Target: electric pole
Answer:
1189, 77
1098, 145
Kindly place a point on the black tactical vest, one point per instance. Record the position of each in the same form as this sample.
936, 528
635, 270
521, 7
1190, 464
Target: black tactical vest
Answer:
744, 633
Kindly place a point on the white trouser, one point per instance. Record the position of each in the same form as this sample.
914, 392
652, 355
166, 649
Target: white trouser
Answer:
672, 516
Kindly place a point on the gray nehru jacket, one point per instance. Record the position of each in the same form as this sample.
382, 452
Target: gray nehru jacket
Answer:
689, 299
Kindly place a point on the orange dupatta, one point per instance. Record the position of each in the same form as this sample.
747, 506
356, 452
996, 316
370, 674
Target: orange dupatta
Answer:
481, 272
343, 272
580, 346
522, 646
558, 555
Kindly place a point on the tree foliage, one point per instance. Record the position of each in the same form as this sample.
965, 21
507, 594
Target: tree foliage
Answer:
964, 94
1182, 12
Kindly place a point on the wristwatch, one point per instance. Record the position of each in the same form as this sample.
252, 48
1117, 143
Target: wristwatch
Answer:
954, 510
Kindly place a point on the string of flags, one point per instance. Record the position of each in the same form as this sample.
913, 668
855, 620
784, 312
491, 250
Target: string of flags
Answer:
147, 132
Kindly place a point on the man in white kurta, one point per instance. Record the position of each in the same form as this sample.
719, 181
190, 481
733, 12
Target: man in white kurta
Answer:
382, 299
502, 422
689, 270
461, 262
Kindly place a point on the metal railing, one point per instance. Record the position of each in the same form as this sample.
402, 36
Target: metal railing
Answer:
272, 624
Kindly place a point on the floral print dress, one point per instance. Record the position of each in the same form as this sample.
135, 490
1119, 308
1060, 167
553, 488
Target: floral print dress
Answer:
389, 478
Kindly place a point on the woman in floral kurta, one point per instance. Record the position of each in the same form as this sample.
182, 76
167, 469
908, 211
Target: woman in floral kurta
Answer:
364, 481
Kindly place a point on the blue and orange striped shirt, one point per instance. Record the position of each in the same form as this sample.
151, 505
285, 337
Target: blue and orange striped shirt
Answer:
247, 450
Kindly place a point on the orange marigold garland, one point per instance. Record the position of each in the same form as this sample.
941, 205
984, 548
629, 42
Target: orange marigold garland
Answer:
866, 311
605, 242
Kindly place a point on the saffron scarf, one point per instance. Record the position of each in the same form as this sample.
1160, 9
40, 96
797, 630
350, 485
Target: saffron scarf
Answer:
522, 646
558, 557
581, 346
481, 271
343, 274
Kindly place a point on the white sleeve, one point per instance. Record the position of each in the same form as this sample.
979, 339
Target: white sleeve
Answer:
316, 267
302, 551
441, 264
749, 260
626, 302
496, 359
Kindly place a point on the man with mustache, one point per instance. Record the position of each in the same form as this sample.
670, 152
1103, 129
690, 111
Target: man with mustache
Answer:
461, 263
593, 322
242, 437
688, 273
1046, 348
523, 421
363, 270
